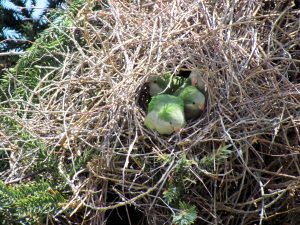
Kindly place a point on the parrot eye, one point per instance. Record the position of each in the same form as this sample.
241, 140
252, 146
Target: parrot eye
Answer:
194, 103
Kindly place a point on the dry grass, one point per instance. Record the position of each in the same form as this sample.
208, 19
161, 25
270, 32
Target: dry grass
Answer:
248, 53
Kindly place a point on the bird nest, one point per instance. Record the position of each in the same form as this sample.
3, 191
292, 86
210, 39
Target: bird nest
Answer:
238, 163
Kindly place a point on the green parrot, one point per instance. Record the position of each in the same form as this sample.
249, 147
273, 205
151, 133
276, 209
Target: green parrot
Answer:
165, 114
165, 84
194, 100
197, 80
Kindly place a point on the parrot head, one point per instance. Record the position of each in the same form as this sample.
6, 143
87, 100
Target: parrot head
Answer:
194, 101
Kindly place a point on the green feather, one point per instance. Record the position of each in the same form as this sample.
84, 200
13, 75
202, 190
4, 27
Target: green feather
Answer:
194, 100
190, 92
167, 84
165, 114
170, 110
160, 100
150, 120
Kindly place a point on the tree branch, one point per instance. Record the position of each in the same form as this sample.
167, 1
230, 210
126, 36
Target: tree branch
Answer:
11, 53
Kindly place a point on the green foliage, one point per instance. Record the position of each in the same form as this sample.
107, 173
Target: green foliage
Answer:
184, 178
42, 58
177, 187
187, 214
181, 179
80, 161
75, 6
31, 147
22, 22
171, 194
31, 150
31, 202
163, 157
28, 203
31, 68
222, 153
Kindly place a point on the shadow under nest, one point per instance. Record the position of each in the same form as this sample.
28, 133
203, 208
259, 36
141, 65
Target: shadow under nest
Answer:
238, 163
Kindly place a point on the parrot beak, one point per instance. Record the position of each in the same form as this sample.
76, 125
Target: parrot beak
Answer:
177, 130
194, 82
201, 107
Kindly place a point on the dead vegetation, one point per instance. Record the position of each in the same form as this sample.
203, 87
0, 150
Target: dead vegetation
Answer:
248, 53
